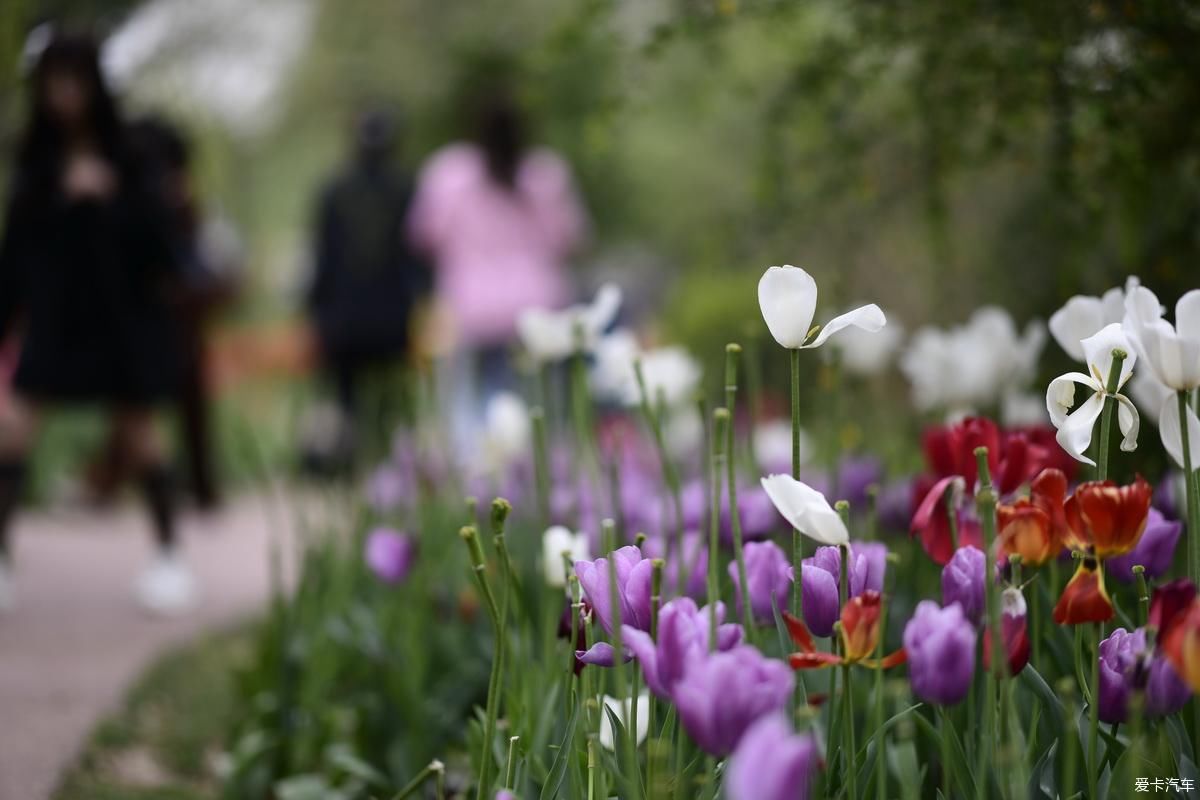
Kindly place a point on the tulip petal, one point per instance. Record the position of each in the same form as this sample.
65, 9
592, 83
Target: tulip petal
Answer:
799, 633
1078, 319
787, 297
869, 318
806, 509
1127, 419
1085, 599
1172, 433
813, 660
1098, 350
1187, 316
1060, 395
1076, 432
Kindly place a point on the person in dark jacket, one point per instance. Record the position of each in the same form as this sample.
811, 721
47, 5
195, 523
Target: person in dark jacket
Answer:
367, 279
85, 265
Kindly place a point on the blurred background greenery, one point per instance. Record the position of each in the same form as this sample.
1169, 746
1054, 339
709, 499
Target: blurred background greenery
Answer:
929, 156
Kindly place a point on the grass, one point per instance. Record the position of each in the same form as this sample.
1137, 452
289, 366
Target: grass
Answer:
165, 740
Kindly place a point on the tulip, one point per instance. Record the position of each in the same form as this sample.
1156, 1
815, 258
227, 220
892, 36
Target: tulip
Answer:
507, 430
722, 695
1013, 631
1075, 427
971, 365
1035, 527
1107, 520
758, 514
940, 643
860, 638
822, 577
554, 335
1154, 551
683, 632
865, 352
787, 296
669, 373
693, 560
768, 578
558, 546
1082, 317
390, 554
1126, 665
963, 582
1171, 351
772, 763
1085, 598
1175, 612
806, 510
931, 521
855, 476
623, 711
504, 794
633, 573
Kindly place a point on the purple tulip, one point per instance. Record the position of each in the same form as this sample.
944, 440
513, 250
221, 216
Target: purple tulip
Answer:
894, 505
757, 513
683, 632
772, 763
504, 794
963, 582
721, 695
387, 488
389, 554
822, 578
695, 563
1126, 665
768, 578
1154, 551
633, 573
855, 476
940, 643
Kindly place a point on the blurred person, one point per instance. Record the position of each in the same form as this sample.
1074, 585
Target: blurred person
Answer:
499, 218
366, 281
209, 258
84, 264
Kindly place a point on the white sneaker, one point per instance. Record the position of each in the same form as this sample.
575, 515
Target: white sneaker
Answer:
167, 587
8, 586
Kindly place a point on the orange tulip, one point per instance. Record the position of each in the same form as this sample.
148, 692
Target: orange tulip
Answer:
1085, 599
860, 637
1107, 520
1035, 527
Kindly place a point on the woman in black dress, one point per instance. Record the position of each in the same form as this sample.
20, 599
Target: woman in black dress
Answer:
85, 266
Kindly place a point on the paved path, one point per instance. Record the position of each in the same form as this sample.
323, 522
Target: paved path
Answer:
77, 640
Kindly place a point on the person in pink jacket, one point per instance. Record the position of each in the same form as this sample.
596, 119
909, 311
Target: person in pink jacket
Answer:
499, 220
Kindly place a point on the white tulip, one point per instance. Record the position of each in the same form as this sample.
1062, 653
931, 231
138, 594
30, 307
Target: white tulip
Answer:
1172, 435
669, 373
773, 445
787, 296
1172, 352
506, 435
962, 368
554, 335
806, 509
612, 371
559, 543
866, 352
623, 710
1083, 316
1075, 426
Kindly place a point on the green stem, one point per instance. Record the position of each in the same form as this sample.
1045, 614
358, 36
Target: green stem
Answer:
541, 463
848, 732
720, 423
1110, 402
731, 359
1143, 594
433, 768
1093, 772
797, 538
1192, 482
985, 500
944, 728
510, 767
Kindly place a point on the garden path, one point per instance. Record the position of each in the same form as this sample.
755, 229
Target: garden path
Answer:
77, 640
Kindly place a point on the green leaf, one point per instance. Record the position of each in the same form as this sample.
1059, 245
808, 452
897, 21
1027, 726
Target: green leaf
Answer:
562, 759
958, 756
1033, 680
1043, 780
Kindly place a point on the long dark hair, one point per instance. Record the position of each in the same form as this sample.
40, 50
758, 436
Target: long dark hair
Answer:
44, 140
500, 131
